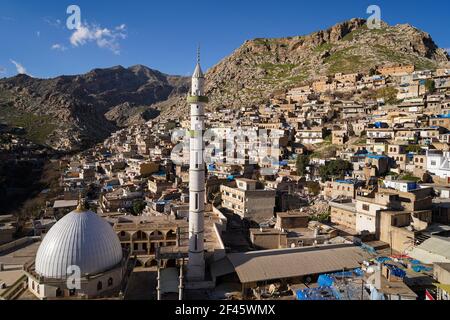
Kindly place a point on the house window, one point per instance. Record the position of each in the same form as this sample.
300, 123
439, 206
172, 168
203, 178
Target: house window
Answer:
366, 207
110, 282
196, 201
99, 286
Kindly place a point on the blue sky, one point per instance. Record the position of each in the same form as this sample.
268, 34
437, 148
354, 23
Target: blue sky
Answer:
164, 34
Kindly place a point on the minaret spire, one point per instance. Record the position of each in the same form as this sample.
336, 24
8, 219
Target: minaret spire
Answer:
81, 207
197, 100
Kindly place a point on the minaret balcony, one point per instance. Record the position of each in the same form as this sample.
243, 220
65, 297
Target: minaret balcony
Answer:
197, 99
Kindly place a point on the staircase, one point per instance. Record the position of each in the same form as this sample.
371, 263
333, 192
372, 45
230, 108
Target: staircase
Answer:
420, 238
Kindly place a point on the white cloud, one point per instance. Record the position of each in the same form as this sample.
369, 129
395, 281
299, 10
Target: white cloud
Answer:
38, 34
58, 47
20, 68
448, 50
103, 37
54, 23
2, 70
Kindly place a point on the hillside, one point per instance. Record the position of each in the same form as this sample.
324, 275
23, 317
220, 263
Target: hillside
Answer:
70, 112
261, 66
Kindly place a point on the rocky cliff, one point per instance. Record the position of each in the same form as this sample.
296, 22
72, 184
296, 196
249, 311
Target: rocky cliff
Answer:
69, 112
75, 111
261, 66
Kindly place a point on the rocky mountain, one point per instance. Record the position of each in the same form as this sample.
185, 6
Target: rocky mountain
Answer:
262, 66
70, 112
74, 111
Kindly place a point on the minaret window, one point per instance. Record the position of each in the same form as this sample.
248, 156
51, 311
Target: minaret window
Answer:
196, 201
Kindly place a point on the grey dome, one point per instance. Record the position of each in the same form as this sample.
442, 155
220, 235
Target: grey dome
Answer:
81, 239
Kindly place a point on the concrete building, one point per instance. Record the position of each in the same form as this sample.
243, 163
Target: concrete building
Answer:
400, 229
8, 227
341, 188
441, 273
249, 202
100, 263
438, 163
343, 212
396, 70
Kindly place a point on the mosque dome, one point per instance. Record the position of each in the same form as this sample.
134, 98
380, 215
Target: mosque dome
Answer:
82, 239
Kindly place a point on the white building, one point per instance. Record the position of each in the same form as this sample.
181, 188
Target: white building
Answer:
81, 256
438, 163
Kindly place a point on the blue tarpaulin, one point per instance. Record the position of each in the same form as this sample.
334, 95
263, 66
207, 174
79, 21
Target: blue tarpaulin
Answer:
396, 271
382, 259
325, 281
376, 157
321, 293
420, 268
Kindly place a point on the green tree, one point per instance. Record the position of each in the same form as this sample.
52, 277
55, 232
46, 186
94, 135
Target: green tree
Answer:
430, 85
301, 164
138, 207
334, 168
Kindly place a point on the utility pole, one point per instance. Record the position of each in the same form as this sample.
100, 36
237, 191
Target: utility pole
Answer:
181, 286
158, 287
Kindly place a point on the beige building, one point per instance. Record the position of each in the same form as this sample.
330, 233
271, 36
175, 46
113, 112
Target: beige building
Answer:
340, 188
343, 213
249, 202
158, 185
401, 228
396, 70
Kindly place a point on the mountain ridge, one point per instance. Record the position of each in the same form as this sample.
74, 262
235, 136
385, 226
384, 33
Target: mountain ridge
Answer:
84, 109
264, 65
75, 111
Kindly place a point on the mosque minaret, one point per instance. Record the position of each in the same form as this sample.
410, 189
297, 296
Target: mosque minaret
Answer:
197, 100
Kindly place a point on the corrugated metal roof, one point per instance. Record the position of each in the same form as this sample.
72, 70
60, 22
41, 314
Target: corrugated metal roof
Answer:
435, 249
287, 263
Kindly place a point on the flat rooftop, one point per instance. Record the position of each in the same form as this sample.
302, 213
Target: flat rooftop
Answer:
20, 256
287, 263
349, 206
65, 204
292, 214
